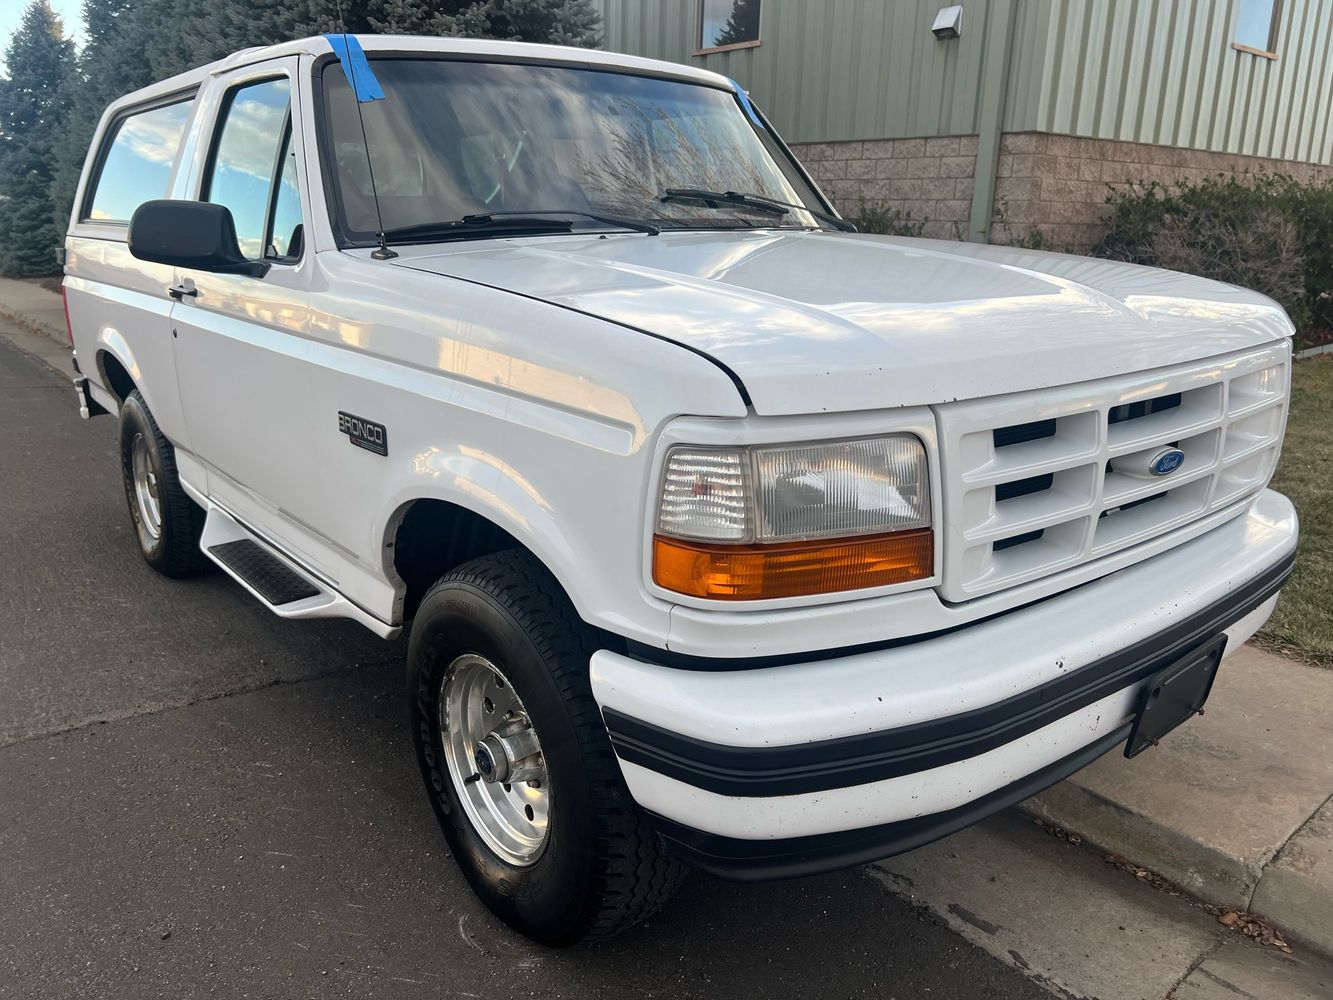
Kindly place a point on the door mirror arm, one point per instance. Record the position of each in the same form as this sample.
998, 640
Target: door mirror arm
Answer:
190, 234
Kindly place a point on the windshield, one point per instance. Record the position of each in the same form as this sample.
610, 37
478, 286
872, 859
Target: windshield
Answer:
459, 138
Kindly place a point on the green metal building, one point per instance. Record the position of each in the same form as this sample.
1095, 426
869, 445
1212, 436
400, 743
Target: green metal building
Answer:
992, 118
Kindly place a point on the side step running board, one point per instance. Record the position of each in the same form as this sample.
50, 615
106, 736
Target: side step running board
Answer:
285, 588
263, 572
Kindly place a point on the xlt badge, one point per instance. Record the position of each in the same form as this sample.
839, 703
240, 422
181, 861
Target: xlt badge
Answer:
364, 433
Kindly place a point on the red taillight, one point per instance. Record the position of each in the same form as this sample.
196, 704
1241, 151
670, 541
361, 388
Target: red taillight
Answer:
69, 330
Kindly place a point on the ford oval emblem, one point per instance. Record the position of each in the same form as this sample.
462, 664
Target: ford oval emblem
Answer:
1166, 461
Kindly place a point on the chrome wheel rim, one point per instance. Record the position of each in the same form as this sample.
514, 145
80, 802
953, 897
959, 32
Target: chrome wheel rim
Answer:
495, 759
145, 488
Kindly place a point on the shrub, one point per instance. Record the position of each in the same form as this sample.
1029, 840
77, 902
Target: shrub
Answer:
1261, 251
1004, 233
1263, 231
1311, 207
876, 217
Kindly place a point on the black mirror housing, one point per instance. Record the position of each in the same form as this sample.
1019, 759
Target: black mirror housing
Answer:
192, 234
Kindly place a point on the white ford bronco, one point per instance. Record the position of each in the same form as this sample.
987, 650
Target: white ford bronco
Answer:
726, 537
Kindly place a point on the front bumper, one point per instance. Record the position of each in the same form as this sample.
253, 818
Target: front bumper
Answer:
799, 768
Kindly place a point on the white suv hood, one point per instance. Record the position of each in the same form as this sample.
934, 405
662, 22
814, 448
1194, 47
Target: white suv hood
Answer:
817, 321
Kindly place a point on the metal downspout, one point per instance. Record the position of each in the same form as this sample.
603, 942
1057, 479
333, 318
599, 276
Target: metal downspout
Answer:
994, 92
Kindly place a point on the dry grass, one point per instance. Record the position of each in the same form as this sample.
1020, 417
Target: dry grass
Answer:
1302, 626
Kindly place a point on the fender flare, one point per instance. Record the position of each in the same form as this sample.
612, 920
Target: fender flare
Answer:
111, 341
526, 520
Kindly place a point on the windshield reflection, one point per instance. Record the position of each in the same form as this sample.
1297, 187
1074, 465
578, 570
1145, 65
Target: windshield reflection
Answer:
452, 139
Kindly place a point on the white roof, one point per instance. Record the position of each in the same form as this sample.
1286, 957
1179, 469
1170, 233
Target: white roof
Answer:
318, 45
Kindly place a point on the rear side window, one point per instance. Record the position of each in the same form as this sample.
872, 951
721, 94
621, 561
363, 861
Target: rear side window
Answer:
136, 165
253, 171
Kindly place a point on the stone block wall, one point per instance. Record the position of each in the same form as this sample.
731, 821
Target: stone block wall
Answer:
1057, 184
1052, 184
929, 179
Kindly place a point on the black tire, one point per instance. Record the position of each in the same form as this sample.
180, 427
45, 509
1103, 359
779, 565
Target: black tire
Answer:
175, 550
600, 869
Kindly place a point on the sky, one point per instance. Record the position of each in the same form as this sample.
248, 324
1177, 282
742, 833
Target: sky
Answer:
11, 14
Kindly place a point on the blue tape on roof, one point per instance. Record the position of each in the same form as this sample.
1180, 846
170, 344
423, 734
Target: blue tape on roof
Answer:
745, 103
356, 67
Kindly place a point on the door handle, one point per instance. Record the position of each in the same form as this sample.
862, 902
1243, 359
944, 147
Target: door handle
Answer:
186, 287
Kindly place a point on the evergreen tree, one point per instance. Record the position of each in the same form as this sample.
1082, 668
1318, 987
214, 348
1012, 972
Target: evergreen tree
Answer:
228, 25
31, 117
560, 22
113, 62
742, 25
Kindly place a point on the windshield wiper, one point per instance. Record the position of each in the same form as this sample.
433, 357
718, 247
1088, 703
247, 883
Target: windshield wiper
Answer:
535, 222
754, 202
481, 223
622, 221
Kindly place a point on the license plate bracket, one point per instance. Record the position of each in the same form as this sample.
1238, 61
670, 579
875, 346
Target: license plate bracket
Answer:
1174, 694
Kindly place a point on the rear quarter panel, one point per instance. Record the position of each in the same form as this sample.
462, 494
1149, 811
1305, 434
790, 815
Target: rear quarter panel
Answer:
119, 306
117, 303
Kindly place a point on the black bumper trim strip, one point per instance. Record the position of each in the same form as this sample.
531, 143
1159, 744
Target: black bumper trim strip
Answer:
764, 860
854, 760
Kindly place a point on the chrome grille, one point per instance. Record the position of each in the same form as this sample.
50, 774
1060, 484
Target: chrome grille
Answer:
1040, 482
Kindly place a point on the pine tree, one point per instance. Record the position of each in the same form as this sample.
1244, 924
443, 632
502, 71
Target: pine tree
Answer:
742, 25
223, 26
113, 62
227, 25
31, 117
561, 22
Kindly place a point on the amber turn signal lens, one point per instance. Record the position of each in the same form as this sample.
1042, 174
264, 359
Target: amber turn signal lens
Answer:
792, 569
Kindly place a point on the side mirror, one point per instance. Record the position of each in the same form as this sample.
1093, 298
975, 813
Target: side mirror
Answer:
194, 234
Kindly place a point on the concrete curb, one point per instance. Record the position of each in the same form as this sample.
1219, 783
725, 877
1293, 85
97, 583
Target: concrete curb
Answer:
1235, 808
1202, 870
1315, 352
26, 322
1295, 890
32, 307
36, 318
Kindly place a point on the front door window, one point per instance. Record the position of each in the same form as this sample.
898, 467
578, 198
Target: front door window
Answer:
253, 170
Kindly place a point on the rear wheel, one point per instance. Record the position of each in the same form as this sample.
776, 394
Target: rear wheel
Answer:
516, 759
166, 521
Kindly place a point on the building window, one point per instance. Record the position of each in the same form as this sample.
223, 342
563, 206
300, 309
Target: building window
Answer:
728, 24
1256, 25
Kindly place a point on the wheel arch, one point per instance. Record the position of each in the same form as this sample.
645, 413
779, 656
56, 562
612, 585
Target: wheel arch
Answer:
116, 379
119, 371
427, 536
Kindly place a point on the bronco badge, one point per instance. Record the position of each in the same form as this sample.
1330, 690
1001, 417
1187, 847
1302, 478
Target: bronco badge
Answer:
364, 433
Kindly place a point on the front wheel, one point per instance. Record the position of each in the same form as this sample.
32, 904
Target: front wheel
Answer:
516, 760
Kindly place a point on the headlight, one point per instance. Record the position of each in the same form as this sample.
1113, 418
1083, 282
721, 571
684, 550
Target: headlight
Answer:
785, 521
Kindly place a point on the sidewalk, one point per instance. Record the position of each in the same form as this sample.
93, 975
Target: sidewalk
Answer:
1235, 807
33, 307
40, 315
1086, 929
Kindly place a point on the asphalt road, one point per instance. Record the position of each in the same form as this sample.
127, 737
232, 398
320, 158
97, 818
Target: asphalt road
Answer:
200, 799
